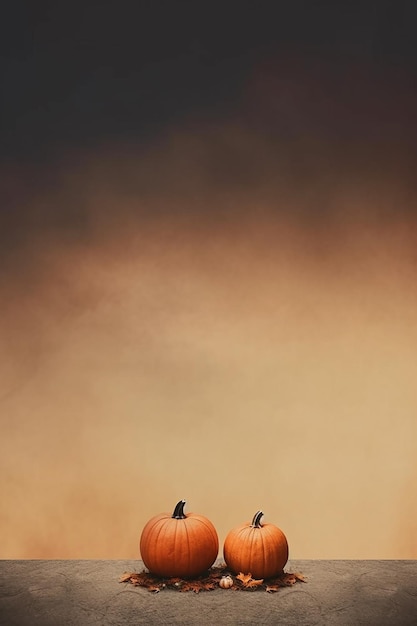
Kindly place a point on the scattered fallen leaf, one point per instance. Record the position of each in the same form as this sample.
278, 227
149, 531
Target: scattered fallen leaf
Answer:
254, 583
197, 586
210, 580
245, 578
291, 579
126, 576
248, 581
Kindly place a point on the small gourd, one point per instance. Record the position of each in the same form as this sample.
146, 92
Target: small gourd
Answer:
255, 548
226, 582
179, 545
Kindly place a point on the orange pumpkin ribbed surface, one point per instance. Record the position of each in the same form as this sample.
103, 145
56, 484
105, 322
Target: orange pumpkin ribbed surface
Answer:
180, 544
255, 548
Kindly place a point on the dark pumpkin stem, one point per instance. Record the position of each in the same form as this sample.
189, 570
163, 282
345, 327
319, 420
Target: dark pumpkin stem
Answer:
179, 510
256, 522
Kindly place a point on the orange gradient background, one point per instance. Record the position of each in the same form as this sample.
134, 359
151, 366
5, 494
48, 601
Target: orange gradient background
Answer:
220, 316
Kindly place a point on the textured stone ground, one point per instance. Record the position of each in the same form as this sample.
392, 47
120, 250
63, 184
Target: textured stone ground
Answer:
84, 593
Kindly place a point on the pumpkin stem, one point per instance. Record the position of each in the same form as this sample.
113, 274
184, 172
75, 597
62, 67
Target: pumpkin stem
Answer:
179, 510
256, 522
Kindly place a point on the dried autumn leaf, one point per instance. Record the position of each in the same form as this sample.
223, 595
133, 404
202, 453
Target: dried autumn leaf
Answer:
290, 579
192, 586
254, 583
126, 577
248, 581
244, 577
272, 588
142, 580
209, 585
300, 577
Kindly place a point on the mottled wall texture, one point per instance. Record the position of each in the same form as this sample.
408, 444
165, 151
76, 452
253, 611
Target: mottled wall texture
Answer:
225, 314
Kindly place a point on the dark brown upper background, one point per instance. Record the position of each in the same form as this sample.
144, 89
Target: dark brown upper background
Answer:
329, 86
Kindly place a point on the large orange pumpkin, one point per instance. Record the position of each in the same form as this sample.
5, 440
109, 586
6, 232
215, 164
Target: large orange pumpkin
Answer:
255, 548
180, 544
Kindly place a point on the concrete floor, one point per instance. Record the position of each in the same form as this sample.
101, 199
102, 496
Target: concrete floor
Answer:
84, 593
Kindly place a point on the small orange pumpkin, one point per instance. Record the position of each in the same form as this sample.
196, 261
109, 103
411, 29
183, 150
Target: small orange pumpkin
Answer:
255, 548
180, 544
